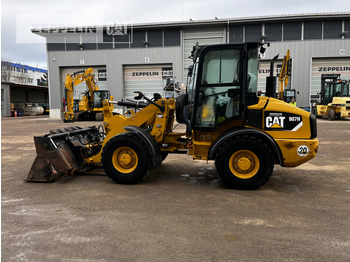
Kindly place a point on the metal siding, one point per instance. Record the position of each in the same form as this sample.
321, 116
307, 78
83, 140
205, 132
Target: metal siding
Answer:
154, 83
202, 36
302, 53
114, 60
328, 66
80, 89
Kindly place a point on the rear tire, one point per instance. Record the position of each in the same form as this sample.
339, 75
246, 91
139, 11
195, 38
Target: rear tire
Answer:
244, 163
126, 159
331, 114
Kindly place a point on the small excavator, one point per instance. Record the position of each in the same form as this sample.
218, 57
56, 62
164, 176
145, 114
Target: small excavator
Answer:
225, 121
90, 107
287, 95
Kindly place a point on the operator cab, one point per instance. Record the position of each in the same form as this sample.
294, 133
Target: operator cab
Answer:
223, 84
338, 88
99, 96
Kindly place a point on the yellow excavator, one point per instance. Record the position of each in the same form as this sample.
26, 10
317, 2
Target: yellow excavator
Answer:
225, 121
90, 107
287, 95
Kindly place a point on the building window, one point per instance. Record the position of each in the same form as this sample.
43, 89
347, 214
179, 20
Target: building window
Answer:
332, 29
123, 40
347, 28
155, 38
139, 38
56, 47
73, 41
313, 30
172, 37
236, 34
273, 32
253, 33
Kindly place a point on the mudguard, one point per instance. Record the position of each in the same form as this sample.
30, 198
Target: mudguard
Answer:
246, 131
150, 142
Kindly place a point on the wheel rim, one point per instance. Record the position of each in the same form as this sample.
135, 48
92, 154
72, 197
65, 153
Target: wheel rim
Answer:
244, 164
125, 159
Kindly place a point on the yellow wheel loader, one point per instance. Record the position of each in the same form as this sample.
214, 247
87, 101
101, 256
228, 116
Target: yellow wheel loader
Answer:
90, 106
334, 102
225, 121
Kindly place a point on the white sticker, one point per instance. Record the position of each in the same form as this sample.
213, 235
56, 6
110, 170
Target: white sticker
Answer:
303, 150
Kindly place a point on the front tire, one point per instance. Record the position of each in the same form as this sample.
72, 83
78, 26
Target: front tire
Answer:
126, 159
244, 163
331, 115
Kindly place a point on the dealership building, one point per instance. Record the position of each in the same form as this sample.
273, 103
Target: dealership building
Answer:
145, 57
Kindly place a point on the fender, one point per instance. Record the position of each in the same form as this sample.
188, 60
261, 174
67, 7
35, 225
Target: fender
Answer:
246, 131
151, 143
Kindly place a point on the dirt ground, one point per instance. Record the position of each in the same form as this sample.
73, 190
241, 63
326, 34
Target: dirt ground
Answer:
181, 211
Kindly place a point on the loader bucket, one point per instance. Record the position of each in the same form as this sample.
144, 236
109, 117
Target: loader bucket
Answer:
62, 153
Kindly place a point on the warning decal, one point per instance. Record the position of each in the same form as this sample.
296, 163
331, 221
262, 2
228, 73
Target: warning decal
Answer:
280, 121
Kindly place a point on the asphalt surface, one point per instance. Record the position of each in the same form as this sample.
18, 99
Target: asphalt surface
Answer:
181, 211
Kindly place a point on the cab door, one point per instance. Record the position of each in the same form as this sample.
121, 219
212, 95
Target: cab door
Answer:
223, 84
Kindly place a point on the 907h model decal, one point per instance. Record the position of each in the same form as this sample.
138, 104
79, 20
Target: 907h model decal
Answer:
280, 121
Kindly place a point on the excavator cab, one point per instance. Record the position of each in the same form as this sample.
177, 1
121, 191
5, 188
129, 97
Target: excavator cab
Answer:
99, 96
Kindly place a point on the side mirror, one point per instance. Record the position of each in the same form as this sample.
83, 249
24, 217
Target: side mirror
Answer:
138, 95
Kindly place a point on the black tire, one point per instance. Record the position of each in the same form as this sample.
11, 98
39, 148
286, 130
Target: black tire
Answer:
314, 112
253, 156
164, 155
132, 147
331, 114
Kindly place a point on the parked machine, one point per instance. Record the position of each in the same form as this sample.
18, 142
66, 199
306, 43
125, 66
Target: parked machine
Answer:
225, 121
334, 98
90, 106
287, 95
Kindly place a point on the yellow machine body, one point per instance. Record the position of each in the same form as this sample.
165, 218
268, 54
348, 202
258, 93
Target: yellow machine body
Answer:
87, 105
225, 121
339, 105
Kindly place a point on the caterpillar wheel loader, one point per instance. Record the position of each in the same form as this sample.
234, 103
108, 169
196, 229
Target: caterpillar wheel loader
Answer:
90, 106
225, 121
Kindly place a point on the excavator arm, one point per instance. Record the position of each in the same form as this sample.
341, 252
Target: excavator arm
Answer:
284, 75
73, 80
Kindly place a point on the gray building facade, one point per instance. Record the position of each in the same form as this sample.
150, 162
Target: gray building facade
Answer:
144, 56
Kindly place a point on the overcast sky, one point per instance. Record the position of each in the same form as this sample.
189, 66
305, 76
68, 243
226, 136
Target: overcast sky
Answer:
18, 16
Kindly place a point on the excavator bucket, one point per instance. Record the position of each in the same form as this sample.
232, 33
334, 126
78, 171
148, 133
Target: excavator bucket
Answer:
62, 153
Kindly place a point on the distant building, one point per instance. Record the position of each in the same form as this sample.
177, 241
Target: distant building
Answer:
20, 85
143, 56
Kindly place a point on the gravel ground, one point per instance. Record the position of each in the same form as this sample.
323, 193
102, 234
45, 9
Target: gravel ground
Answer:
181, 211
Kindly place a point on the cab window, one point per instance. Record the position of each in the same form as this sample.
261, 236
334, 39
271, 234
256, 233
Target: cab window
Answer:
219, 93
